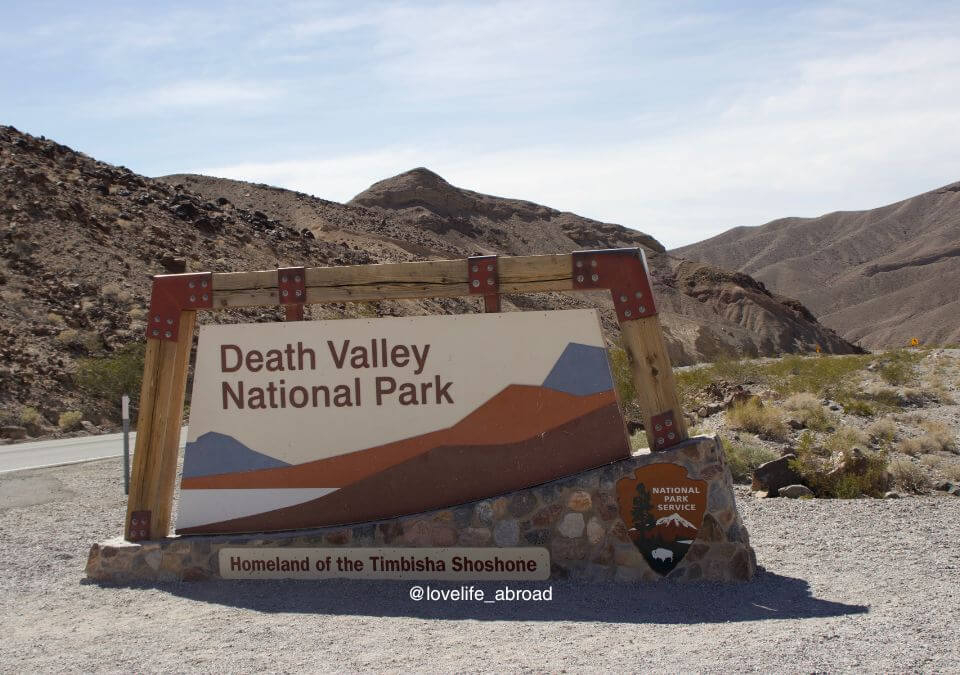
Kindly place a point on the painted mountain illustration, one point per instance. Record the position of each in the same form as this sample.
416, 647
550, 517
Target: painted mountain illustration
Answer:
212, 451
522, 436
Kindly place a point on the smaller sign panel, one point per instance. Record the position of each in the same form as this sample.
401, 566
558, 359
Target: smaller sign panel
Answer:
467, 564
663, 510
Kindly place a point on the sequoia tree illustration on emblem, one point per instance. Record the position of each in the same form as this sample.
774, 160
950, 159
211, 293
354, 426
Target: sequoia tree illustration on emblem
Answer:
663, 510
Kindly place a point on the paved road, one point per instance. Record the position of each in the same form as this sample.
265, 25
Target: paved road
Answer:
39, 454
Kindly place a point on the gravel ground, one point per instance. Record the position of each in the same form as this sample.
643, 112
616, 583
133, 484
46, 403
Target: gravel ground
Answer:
862, 585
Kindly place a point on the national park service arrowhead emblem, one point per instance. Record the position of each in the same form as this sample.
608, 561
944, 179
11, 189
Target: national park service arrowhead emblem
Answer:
663, 510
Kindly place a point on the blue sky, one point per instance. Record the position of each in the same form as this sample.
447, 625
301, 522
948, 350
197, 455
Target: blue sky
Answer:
681, 119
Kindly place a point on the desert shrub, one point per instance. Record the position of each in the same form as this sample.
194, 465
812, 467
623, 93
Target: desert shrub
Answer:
80, 340
809, 410
883, 430
817, 467
887, 397
109, 377
951, 470
820, 375
622, 374
137, 313
899, 367
941, 434
909, 476
31, 418
752, 416
802, 400
844, 439
69, 420
743, 457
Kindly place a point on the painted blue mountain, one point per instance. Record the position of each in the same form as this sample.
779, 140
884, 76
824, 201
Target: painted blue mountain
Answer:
215, 453
581, 370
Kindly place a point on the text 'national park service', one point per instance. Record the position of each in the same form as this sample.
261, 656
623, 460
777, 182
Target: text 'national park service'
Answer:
343, 355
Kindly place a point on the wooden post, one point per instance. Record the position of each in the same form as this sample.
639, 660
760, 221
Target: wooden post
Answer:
158, 430
652, 376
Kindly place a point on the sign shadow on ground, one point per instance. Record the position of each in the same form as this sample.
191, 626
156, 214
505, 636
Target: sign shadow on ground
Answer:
768, 596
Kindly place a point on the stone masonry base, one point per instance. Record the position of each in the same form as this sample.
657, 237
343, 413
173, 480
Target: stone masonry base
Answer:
576, 518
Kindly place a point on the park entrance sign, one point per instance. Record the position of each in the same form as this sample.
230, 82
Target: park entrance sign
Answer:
309, 424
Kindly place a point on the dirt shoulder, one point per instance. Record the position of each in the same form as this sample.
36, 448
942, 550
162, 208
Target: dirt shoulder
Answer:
860, 584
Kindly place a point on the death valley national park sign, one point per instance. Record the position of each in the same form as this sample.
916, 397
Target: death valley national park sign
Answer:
308, 424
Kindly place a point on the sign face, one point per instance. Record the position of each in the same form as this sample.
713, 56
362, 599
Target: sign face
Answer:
663, 510
508, 564
307, 424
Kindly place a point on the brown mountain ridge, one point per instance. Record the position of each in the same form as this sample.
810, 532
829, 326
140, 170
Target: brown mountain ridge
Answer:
880, 277
79, 240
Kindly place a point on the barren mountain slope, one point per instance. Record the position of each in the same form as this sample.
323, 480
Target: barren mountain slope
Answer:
880, 276
79, 240
706, 311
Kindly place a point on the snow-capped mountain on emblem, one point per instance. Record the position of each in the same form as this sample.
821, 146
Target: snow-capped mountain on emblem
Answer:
676, 520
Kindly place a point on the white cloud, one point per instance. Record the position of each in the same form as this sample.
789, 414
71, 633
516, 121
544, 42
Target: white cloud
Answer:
190, 94
853, 125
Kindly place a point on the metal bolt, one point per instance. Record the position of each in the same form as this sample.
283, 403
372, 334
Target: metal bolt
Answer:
192, 285
193, 298
489, 282
657, 427
298, 293
156, 319
638, 294
489, 268
475, 268
669, 423
627, 313
168, 334
671, 435
623, 298
579, 263
641, 309
659, 441
297, 278
283, 279
169, 322
203, 284
206, 297
594, 277
156, 332
580, 278
285, 292
593, 262
476, 283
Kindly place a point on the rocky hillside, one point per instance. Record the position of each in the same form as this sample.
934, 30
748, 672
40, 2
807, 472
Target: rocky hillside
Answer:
79, 240
880, 277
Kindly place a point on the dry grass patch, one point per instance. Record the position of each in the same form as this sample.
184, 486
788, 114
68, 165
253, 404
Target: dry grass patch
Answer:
809, 410
845, 438
69, 420
908, 476
764, 421
939, 437
884, 430
743, 456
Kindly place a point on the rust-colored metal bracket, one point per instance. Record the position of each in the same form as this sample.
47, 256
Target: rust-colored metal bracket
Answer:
483, 275
292, 290
623, 271
139, 525
173, 293
664, 430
